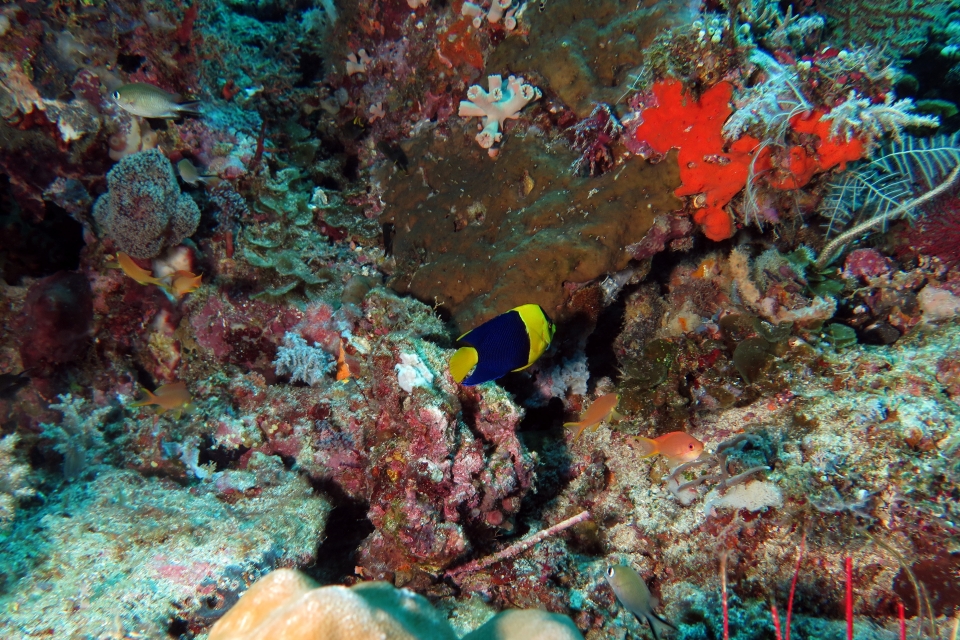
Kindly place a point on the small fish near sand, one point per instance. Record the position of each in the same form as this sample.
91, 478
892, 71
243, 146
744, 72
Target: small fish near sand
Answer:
633, 594
147, 101
510, 342
169, 397
677, 447
602, 410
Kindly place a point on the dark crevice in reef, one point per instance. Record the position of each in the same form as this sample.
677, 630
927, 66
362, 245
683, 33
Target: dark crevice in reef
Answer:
347, 527
601, 359
39, 249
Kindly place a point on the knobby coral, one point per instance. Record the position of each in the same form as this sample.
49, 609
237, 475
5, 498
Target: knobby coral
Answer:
143, 210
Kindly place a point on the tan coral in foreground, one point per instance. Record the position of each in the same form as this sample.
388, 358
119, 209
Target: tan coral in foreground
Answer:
287, 604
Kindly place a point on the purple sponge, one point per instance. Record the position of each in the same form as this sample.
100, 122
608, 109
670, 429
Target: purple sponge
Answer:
143, 209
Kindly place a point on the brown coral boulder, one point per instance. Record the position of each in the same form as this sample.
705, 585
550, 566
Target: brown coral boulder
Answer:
481, 236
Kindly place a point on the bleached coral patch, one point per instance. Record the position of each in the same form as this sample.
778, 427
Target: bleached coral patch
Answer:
412, 372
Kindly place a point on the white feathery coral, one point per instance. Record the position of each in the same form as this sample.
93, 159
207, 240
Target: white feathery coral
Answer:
302, 362
496, 105
858, 116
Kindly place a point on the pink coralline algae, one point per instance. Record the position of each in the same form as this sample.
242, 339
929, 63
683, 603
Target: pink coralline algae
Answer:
54, 326
865, 263
434, 464
246, 332
143, 210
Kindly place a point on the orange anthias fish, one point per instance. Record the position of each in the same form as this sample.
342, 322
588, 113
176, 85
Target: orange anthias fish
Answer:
168, 397
677, 447
135, 271
343, 369
603, 408
183, 283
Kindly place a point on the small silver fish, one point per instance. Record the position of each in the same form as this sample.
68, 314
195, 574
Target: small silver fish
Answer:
148, 101
190, 174
634, 595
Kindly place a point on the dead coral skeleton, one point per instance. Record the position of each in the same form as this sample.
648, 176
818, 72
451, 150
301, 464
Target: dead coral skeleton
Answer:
686, 492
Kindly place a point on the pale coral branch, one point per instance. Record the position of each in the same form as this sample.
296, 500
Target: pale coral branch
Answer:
519, 547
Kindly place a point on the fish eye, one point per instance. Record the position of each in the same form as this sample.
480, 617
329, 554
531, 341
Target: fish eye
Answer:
610, 571
116, 95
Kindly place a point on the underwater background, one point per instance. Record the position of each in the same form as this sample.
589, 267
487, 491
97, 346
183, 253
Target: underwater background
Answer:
702, 259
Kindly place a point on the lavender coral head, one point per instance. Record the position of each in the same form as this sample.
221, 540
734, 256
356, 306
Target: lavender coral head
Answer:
143, 210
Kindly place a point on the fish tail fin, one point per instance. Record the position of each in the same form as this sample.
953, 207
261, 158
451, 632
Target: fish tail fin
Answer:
577, 427
647, 447
191, 107
150, 399
462, 362
658, 625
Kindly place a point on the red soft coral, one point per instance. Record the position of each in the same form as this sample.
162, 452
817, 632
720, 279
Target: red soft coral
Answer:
801, 165
695, 130
717, 171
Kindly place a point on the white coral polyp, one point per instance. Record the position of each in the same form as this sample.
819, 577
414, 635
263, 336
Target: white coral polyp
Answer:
496, 105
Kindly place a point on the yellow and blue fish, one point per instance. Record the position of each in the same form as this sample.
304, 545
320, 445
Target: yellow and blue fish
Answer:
510, 342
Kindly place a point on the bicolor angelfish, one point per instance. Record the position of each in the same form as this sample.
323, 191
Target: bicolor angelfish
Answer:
510, 342
633, 594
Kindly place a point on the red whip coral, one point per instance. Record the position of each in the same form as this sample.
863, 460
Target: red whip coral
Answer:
717, 173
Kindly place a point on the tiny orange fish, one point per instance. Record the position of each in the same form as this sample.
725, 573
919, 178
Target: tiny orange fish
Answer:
168, 397
603, 408
343, 369
135, 271
677, 447
183, 283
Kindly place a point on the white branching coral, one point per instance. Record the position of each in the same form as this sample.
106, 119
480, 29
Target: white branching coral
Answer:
78, 437
496, 105
14, 479
358, 62
302, 362
858, 116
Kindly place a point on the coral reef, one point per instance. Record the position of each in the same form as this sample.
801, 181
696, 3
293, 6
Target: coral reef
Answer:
741, 216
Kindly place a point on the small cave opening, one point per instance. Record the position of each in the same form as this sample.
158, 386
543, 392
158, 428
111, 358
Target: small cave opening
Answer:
36, 249
310, 67
130, 62
347, 527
